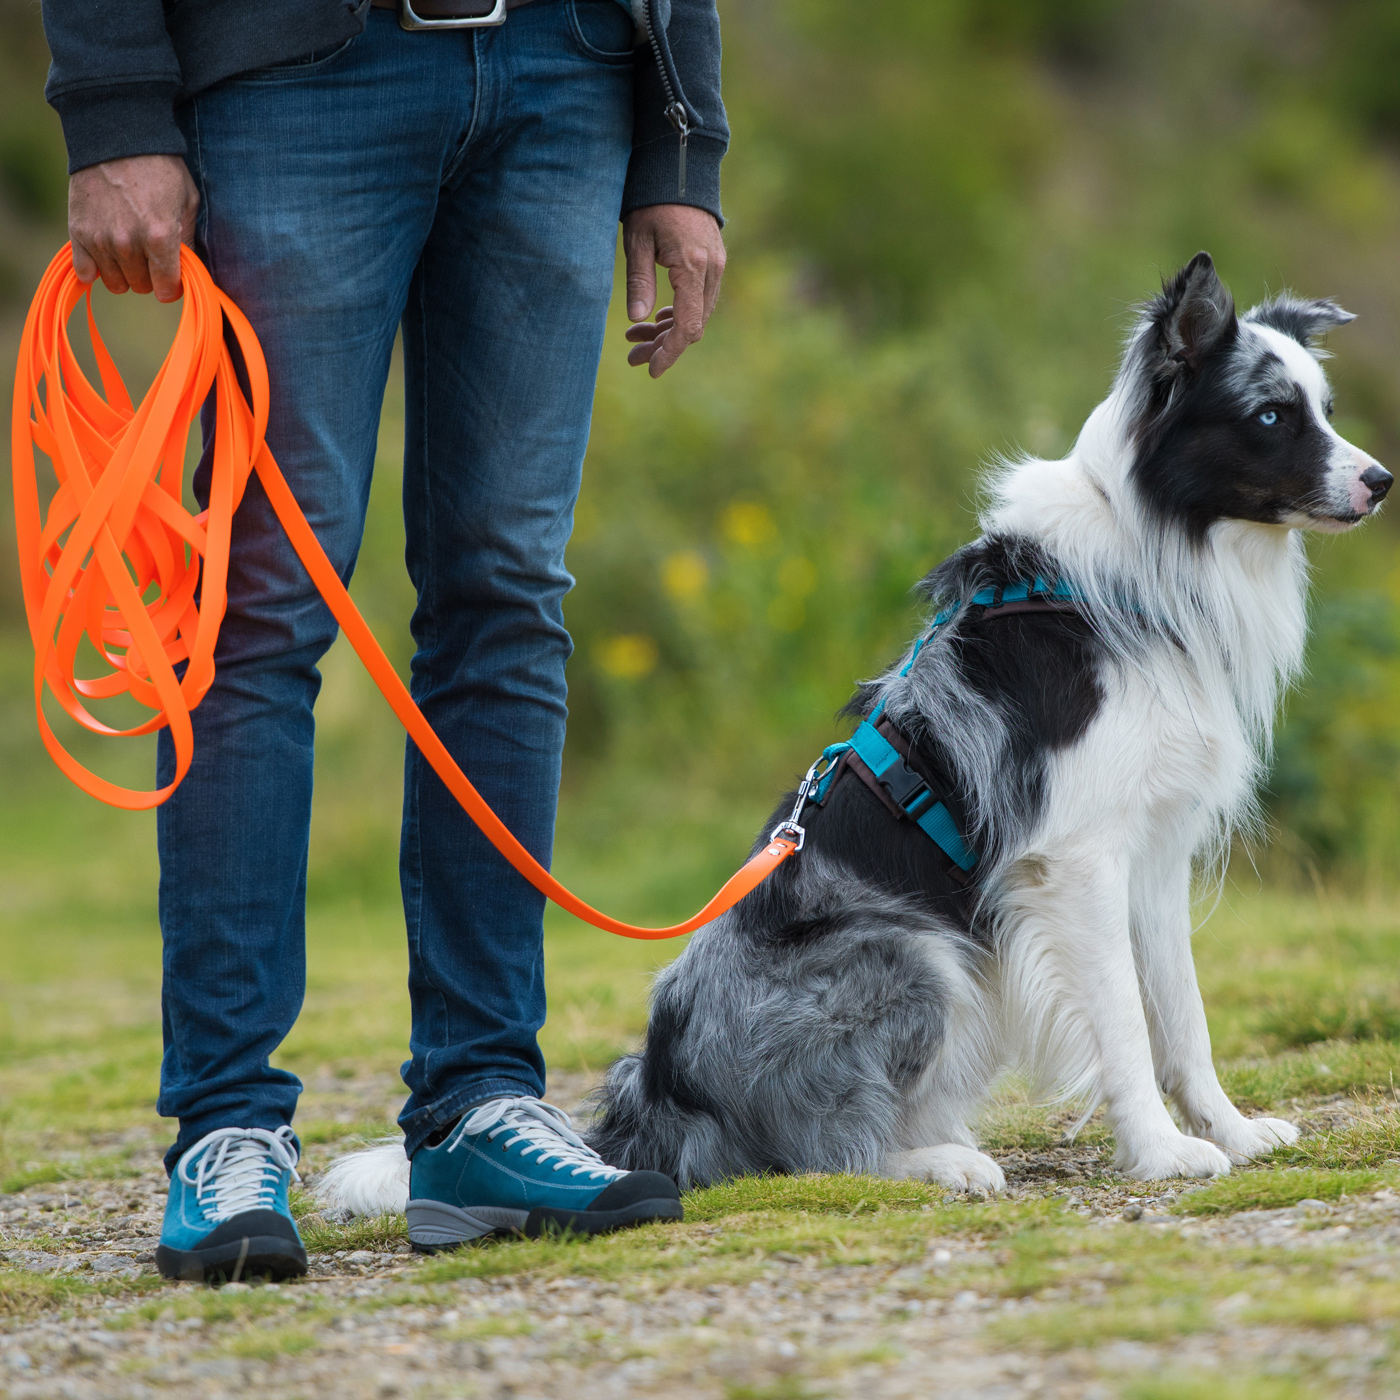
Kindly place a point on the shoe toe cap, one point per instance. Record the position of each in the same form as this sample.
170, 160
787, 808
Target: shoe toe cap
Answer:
262, 1224
635, 1187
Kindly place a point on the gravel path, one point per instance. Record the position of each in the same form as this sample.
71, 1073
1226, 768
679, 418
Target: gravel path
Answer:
859, 1331
362, 1325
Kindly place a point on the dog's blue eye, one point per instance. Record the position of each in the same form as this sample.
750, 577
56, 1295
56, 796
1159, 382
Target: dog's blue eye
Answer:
1268, 418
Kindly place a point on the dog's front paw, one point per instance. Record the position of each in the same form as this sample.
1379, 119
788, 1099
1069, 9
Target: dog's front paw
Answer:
952, 1165
1244, 1139
1174, 1156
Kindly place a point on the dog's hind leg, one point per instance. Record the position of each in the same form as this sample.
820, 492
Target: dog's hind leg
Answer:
938, 1145
1177, 1020
950, 1164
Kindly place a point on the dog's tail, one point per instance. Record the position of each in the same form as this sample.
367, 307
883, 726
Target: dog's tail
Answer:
372, 1181
639, 1129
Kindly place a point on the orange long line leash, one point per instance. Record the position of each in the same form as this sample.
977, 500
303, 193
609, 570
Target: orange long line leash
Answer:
117, 558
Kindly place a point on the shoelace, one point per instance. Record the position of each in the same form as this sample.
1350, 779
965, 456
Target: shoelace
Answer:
239, 1169
543, 1128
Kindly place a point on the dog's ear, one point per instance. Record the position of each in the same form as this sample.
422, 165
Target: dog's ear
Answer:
1305, 321
1193, 316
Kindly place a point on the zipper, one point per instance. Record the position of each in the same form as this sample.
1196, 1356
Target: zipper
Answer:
675, 110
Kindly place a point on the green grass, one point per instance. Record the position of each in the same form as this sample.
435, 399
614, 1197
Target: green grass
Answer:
817, 1195
1302, 1019
1372, 1139
847, 1225
1337, 1068
1326, 1307
379, 1233
482, 1327
1092, 1325
73, 1167
785, 1388
1283, 973
1264, 1189
25, 1294
1215, 1387
270, 1344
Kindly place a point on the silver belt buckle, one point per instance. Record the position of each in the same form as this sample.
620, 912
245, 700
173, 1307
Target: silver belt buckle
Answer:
409, 19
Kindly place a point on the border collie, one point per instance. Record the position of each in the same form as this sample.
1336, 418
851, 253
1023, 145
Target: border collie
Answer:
1093, 745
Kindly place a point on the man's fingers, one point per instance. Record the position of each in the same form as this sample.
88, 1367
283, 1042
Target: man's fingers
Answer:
652, 330
165, 248
714, 273
132, 259
688, 283
84, 264
648, 337
109, 268
127, 217
686, 242
164, 261
641, 276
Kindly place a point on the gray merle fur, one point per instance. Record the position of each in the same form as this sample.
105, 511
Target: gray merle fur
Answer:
792, 1031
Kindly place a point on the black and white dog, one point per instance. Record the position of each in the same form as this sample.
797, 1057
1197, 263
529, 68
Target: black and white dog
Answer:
851, 1013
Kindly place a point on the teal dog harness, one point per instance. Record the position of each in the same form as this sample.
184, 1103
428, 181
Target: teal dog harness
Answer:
881, 756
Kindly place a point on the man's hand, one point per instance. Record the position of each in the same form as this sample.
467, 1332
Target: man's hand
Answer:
687, 243
127, 219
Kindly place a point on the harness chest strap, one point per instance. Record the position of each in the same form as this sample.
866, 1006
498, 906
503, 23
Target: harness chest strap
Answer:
881, 757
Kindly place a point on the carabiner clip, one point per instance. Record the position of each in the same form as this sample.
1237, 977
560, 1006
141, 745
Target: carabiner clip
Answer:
789, 831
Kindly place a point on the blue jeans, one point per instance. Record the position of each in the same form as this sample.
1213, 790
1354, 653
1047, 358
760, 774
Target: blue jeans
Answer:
466, 185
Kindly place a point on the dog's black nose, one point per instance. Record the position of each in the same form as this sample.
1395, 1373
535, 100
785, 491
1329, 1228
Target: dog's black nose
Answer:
1378, 481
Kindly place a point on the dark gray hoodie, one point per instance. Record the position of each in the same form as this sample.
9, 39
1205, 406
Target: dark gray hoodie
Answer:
121, 67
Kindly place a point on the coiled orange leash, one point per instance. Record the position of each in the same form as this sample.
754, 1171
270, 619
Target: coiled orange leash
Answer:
117, 557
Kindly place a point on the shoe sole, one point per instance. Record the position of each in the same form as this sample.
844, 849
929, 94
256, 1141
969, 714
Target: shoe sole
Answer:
256, 1256
434, 1226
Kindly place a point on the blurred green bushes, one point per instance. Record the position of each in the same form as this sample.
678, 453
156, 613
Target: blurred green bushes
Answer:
941, 213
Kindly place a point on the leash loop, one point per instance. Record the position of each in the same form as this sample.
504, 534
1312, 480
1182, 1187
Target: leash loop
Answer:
117, 558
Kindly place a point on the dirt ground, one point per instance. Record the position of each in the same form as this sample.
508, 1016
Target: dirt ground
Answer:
365, 1323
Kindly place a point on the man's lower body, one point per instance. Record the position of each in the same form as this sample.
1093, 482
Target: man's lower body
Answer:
465, 184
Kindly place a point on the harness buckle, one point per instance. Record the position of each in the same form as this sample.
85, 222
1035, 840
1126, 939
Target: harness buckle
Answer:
789, 831
908, 790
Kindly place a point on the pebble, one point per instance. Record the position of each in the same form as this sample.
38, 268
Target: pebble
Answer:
113, 1263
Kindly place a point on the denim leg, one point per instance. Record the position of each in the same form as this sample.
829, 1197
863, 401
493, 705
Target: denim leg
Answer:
318, 184
502, 335
485, 169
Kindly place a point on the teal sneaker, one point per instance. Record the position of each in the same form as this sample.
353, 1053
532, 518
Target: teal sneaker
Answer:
227, 1216
516, 1166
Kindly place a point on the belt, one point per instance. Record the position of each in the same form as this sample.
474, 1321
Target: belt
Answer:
449, 14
